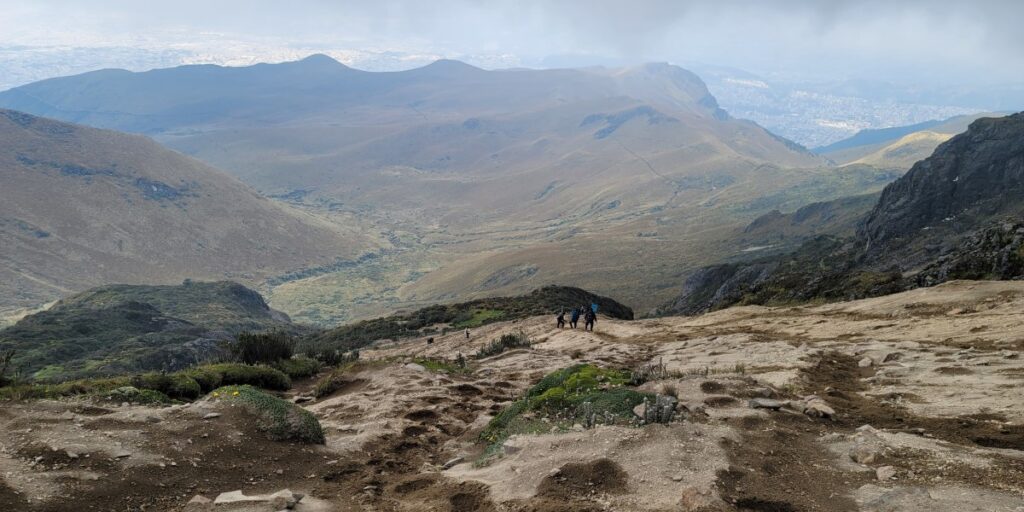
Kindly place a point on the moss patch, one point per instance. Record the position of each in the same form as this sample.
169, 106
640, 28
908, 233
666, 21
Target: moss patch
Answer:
281, 420
557, 402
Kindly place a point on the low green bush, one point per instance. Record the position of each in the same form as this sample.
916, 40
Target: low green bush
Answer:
456, 366
207, 378
135, 395
179, 386
508, 341
268, 347
259, 376
281, 420
185, 385
298, 367
332, 382
559, 398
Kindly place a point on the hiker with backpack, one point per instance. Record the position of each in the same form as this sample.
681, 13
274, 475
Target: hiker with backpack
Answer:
575, 318
589, 318
561, 319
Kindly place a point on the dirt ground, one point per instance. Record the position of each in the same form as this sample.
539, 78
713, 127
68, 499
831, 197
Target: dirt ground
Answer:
924, 386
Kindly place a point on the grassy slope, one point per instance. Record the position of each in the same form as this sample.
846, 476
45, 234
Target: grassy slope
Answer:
126, 328
547, 300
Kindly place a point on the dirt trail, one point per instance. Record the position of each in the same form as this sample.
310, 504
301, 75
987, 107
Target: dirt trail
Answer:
935, 373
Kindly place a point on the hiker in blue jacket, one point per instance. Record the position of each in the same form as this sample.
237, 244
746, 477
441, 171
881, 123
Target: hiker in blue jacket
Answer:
575, 318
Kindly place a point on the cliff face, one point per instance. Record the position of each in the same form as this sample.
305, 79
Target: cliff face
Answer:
968, 182
958, 214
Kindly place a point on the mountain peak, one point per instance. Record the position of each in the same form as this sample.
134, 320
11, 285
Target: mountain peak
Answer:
320, 58
448, 67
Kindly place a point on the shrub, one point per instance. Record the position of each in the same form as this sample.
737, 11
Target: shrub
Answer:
207, 378
138, 396
330, 356
281, 420
333, 381
5, 364
259, 376
298, 367
505, 342
439, 365
255, 348
175, 385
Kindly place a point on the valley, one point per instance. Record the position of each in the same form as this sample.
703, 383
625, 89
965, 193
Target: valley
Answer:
465, 183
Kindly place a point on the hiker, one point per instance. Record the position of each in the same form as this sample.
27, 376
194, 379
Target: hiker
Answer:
575, 318
467, 333
561, 319
589, 318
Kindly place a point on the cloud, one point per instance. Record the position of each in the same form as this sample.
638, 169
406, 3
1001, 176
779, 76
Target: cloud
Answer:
953, 41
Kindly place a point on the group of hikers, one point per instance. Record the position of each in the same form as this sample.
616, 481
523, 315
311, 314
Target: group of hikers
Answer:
589, 317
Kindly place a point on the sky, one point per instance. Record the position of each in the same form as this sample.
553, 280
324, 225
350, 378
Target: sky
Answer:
902, 41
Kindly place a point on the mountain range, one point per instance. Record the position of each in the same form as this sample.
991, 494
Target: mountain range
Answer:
476, 183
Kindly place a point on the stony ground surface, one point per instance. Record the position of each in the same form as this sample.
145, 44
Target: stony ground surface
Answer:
923, 390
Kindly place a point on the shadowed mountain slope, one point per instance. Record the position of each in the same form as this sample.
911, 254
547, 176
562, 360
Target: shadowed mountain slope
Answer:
958, 214
81, 207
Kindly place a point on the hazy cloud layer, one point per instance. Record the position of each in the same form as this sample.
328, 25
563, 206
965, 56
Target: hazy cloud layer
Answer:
906, 40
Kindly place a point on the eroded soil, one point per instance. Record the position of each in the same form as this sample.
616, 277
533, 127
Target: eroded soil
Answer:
924, 387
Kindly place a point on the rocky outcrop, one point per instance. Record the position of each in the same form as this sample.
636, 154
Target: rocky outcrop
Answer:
958, 214
968, 183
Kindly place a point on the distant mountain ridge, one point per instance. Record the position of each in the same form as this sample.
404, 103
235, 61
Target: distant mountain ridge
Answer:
898, 147
958, 214
875, 136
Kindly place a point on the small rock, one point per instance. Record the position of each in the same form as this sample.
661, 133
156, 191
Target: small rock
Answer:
864, 454
199, 499
817, 408
577, 427
416, 367
766, 403
71, 454
677, 478
639, 411
694, 499
122, 454
211, 416
302, 399
866, 362
885, 473
451, 463
279, 472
